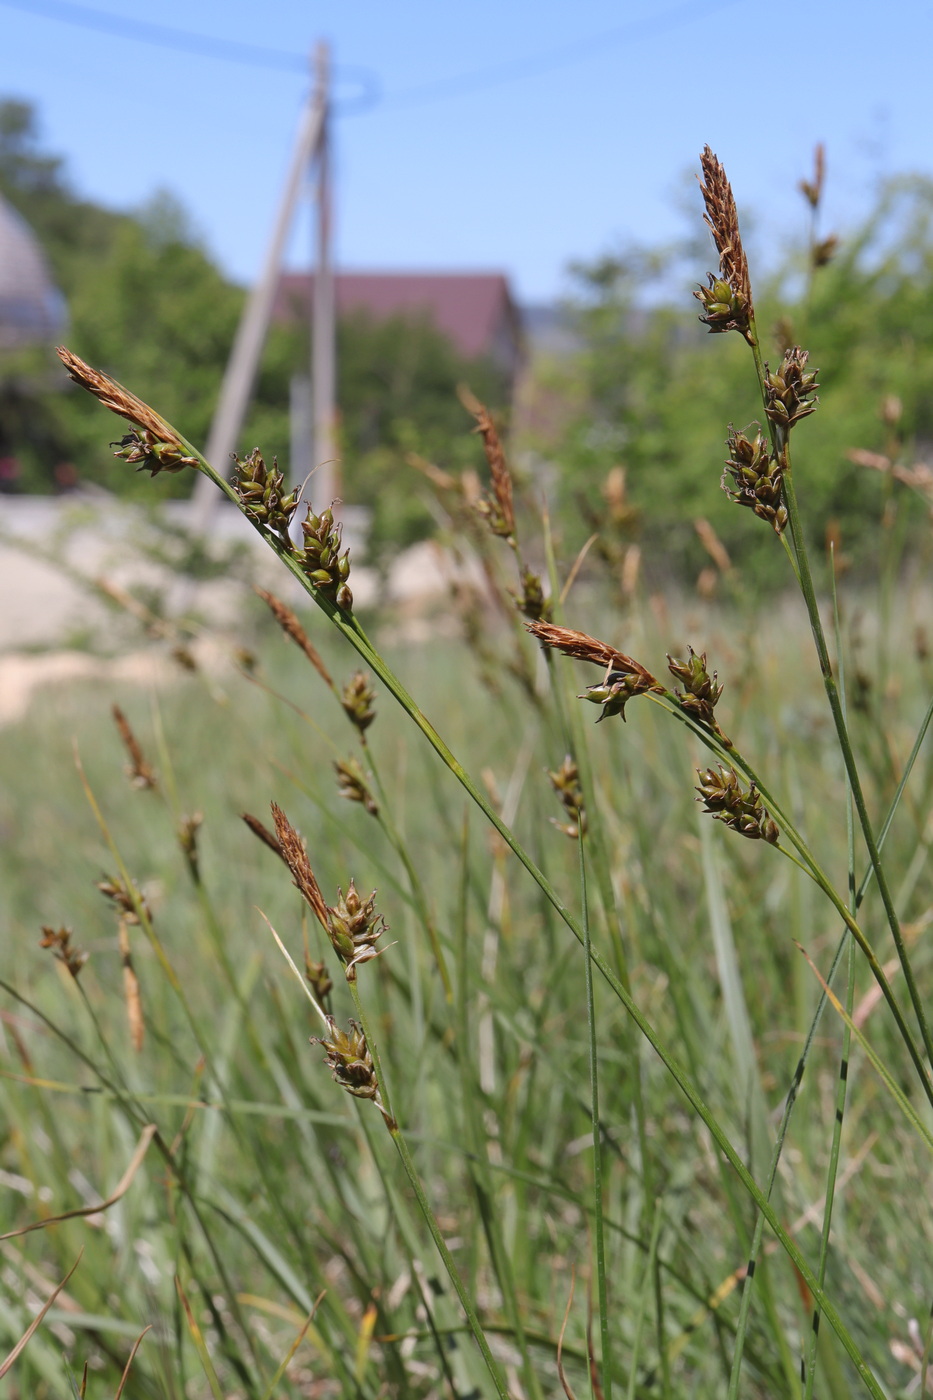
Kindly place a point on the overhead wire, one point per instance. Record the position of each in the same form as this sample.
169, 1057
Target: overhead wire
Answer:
371, 93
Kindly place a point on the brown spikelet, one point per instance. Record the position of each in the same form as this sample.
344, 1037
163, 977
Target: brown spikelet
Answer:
813, 189
263, 834
723, 221
140, 773
113, 396
584, 648
59, 940
290, 625
296, 858
495, 457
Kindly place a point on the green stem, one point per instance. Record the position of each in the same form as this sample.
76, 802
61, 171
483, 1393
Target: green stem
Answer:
781, 448
453, 1272
601, 1284
347, 625
669, 702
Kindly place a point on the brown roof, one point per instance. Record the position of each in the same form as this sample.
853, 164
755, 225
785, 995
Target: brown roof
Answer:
474, 310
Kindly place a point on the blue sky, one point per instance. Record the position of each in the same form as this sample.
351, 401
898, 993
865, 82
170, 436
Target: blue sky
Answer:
507, 134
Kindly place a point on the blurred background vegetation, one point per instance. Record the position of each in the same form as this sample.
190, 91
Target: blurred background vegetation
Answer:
632, 384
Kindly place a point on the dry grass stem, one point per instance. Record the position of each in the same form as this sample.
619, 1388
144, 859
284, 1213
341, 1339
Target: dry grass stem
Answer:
134, 1005
296, 858
919, 477
140, 773
722, 219
290, 625
436, 475
713, 545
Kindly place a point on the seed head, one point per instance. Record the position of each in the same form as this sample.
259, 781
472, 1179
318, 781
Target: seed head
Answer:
296, 858
260, 491
496, 507
151, 442
128, 898
357, 698
756, 477
565, 781
142, 446
292, 628
727, 302
353, 785
139, 772
321, 558
354, 927
531, 602
59, 940
789, 391
727, 800
188, 828
351, 1063
614, 692
263, 834
701, 693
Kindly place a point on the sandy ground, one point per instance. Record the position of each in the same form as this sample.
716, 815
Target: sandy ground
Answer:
55, 627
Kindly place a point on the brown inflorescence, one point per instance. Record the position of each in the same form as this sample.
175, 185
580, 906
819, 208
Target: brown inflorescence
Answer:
292, 628
496, 508
151, 442
127, 897
624, 679
354, 926
353, 785
59, 940
351, 1063
727, 301
790, 389
296, 858
188, 828
139, 772
263, 834
565, 781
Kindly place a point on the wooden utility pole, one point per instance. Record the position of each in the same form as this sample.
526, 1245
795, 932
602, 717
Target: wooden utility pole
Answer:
323, 310
242, 367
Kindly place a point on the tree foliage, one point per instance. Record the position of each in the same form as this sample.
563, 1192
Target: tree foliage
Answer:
148, 305
651, 391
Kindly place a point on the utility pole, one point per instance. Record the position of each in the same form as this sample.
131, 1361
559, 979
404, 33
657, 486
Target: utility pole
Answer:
323, 309
243, 364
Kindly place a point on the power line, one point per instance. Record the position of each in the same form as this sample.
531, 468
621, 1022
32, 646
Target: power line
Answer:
163, 35
370, 95
497, 74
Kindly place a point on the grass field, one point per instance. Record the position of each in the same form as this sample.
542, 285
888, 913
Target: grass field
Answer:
610, 1090
282, 1191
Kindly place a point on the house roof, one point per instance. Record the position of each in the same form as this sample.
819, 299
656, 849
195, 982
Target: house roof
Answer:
31, 308
473, 309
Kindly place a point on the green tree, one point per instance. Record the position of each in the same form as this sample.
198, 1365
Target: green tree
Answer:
397, 382
651, 391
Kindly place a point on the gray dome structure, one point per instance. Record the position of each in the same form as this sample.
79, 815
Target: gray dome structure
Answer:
32, 309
